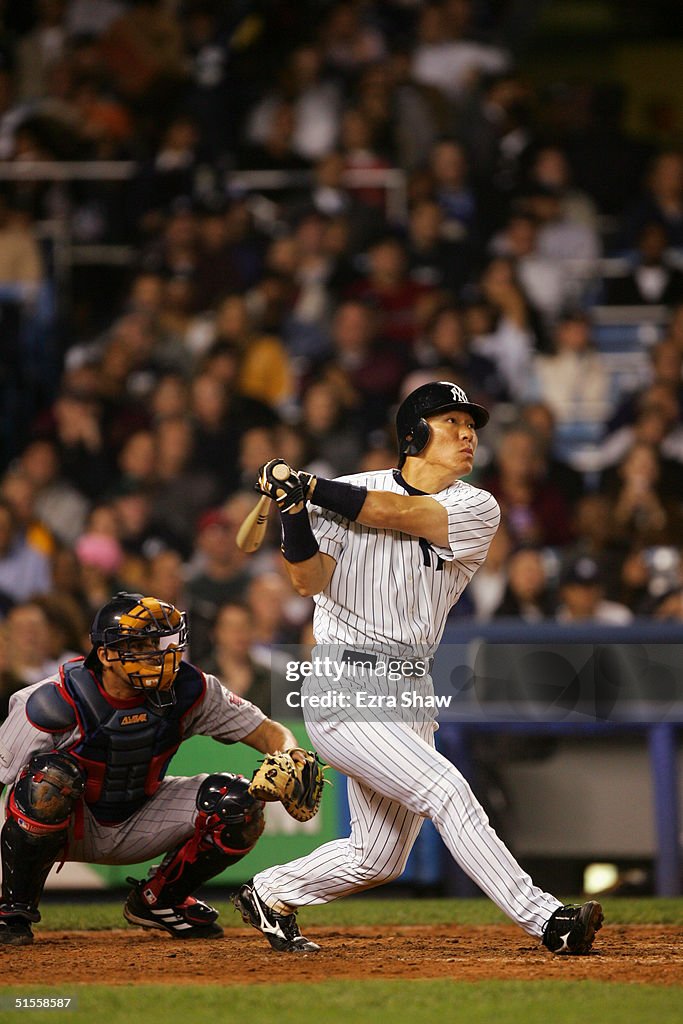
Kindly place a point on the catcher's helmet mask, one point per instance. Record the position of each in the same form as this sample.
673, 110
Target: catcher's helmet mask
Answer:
147, 636
412, 428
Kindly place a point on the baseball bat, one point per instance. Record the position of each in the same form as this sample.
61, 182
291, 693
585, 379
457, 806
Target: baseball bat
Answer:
253, 529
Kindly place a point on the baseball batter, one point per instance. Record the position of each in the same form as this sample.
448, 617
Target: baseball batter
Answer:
85, 754
386, 556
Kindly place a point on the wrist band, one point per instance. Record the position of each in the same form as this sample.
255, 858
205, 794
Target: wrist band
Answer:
336, 496
298, 543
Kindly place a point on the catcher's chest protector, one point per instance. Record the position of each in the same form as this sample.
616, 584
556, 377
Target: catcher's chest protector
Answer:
125, 750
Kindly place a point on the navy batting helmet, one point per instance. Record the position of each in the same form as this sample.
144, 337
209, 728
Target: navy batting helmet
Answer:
438, 396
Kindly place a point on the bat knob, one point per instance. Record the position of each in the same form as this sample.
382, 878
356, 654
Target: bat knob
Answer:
281, 471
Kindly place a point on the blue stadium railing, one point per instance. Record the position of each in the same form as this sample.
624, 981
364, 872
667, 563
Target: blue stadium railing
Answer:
659, 722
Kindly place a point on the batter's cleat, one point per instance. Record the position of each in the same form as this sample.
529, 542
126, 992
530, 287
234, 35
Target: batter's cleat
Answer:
281, 930
190, 919
15, 931
571, 930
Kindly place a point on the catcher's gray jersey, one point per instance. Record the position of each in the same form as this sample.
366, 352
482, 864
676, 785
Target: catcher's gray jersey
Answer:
168, 817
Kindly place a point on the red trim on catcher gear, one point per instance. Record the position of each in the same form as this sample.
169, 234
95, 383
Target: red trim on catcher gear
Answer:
30, 825
68, 698
94, 774
157, 767
119, 703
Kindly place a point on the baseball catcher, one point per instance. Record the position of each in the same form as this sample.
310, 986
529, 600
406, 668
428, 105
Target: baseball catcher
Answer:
85, 756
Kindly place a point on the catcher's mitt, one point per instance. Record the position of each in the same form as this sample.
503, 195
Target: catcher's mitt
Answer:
298, 785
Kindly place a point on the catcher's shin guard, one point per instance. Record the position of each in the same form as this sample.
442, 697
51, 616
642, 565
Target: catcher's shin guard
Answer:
228, 824
38, 811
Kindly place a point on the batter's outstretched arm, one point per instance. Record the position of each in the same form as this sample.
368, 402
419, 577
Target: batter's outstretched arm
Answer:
417, 516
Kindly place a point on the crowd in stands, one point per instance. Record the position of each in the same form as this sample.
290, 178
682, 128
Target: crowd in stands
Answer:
532, 252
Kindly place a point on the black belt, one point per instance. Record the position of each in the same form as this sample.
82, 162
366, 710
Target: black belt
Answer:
359, 658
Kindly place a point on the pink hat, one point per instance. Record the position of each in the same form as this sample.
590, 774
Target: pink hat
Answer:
99, 550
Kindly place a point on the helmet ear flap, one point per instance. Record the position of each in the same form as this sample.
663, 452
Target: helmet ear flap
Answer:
419, 439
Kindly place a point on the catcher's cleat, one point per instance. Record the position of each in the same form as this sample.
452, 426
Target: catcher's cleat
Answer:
15, 931
571, 930
281, 930
190, 919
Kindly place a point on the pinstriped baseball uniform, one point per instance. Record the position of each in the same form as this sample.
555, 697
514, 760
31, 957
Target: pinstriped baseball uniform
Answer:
168, 817
390, 593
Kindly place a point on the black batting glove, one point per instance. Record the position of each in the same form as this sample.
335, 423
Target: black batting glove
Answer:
281, 483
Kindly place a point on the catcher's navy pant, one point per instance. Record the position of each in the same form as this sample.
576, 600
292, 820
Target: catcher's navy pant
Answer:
397, 778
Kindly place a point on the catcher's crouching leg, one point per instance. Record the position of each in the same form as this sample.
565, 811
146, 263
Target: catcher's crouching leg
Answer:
228, 824
39, 809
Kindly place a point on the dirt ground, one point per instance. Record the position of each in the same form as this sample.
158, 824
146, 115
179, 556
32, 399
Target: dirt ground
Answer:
652, 954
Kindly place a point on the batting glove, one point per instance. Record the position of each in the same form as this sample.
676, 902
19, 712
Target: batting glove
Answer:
281, 483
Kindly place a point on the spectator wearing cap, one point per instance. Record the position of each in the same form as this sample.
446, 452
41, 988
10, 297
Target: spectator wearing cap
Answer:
100, 558
582, 596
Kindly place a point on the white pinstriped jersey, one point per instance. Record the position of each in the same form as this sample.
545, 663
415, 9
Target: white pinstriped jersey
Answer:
391, 592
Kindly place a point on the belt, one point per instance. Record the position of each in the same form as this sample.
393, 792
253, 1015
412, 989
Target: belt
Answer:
359, 658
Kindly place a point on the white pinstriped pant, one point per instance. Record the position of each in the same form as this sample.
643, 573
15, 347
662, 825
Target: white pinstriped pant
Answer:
411, 780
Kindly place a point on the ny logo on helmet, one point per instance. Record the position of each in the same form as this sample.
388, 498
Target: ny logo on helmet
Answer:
458, 393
